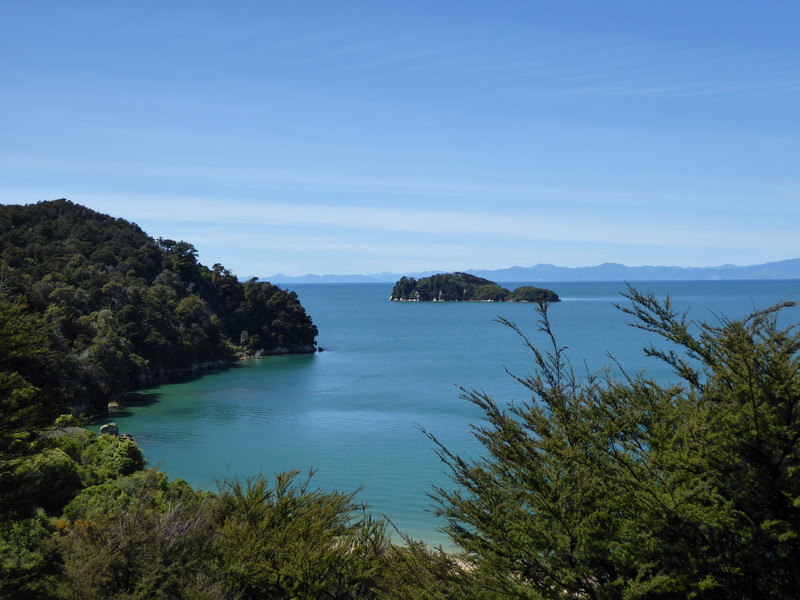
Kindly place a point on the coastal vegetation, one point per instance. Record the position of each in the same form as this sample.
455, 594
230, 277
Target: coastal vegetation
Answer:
113, 308
597, 487
629, 488
463, 287
82, 517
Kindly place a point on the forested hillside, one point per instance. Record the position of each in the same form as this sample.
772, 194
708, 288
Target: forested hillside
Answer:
90, 306
113, 308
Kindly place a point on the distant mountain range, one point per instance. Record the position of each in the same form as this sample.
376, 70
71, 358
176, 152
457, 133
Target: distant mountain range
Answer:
784, 269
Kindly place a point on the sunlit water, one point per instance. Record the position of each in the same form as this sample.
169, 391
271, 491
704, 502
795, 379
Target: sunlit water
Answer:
356, 411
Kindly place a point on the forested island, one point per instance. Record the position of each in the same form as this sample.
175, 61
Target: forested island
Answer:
464, 287
112, 308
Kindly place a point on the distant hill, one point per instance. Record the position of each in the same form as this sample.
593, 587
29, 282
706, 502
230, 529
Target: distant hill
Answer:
784, 269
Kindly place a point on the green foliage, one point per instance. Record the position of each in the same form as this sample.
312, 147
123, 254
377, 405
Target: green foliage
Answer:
404, 289
416, 572
596, 487
292, 542
110, 308
90, 306
24, 560
528, 293
463, 287
26, 400
25, 368
108, 457
138, 537
53, 478
141, 536
627, 488
109, 498
50, 479
445, 287
68, 420
21, 541
490, 293
599, 487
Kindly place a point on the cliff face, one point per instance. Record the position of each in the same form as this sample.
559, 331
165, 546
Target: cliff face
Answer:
463, 287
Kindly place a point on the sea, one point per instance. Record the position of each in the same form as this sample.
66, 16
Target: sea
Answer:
359, 414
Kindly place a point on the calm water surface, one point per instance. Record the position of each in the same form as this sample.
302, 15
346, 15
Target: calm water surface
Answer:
354, 411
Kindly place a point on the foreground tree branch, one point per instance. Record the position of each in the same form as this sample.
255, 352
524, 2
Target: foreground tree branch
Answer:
631, 488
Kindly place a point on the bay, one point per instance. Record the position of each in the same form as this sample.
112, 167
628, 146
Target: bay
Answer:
355, 412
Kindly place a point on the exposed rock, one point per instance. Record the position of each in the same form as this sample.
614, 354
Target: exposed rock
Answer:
110, 429
304, 349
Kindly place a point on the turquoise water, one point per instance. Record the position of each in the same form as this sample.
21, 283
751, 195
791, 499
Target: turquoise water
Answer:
354, 411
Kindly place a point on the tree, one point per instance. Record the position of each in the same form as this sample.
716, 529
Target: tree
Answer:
289, 541
624, 487
27, 398
138, 537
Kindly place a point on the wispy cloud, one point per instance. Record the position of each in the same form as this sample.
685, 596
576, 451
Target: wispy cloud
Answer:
368, 134
632, 229
284, 183
546, 65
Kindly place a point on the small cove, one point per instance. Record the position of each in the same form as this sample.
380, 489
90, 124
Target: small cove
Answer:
354, 412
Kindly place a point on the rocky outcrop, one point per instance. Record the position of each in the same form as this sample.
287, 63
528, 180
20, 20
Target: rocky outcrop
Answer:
110, 429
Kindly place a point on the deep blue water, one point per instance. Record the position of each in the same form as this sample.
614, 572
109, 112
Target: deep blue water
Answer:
354, 411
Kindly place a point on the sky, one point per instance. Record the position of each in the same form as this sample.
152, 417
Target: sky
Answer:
366, 137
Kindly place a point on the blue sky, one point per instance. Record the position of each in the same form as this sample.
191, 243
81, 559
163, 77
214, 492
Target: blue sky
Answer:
363, 137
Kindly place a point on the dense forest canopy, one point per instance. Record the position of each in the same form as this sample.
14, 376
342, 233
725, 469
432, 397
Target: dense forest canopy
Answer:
114, 308
463, 287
